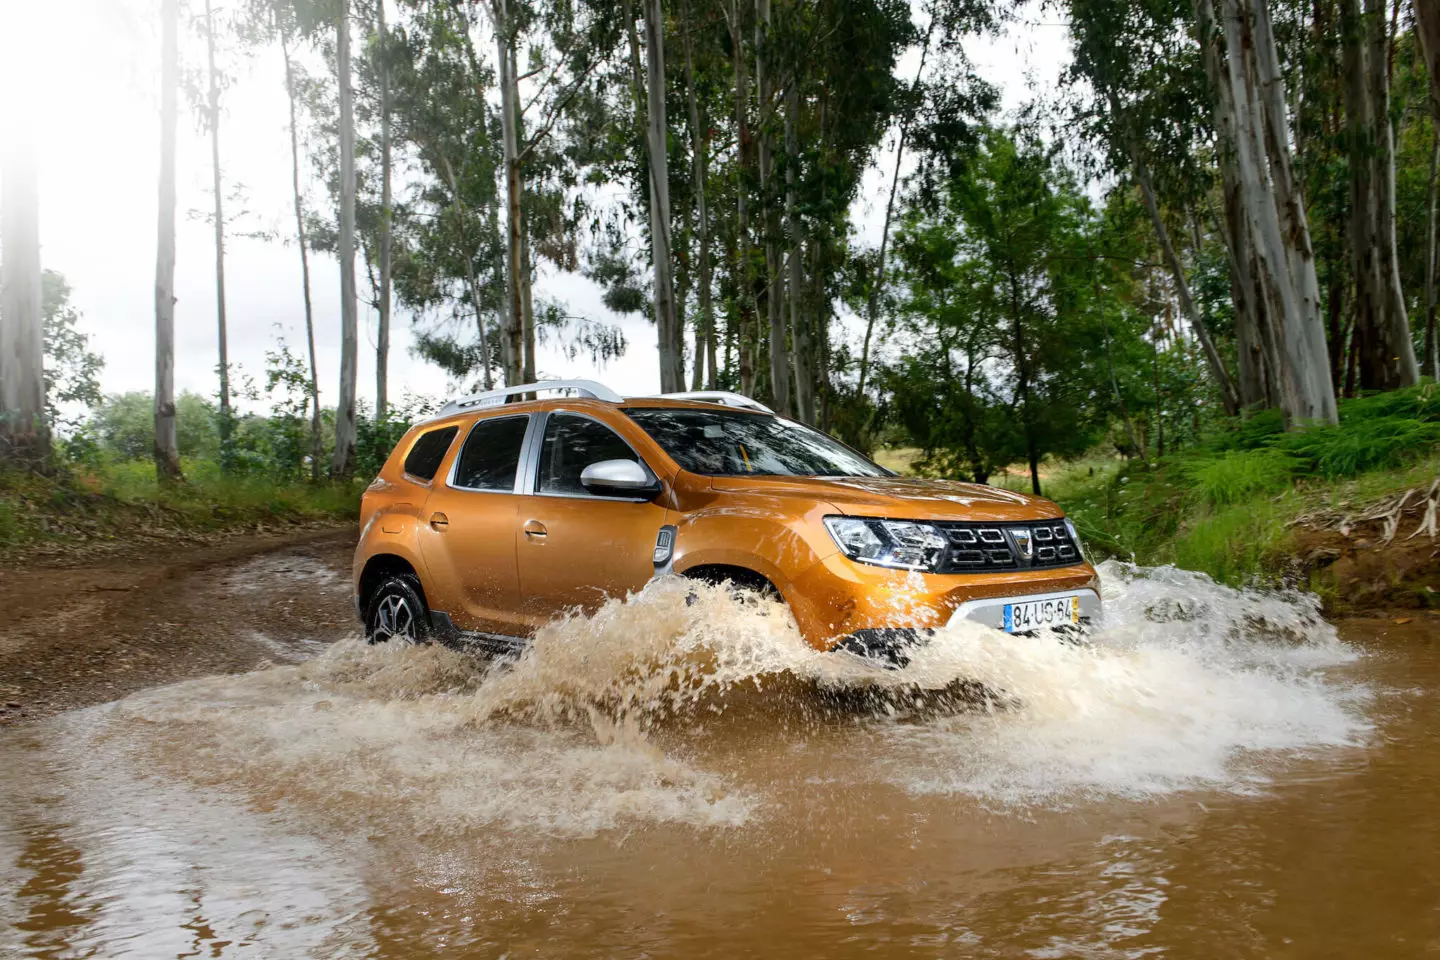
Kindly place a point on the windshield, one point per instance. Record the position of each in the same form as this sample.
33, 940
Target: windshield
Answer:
720, 443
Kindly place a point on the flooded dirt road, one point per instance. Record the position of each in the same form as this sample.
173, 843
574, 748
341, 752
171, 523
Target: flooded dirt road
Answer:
1218, 774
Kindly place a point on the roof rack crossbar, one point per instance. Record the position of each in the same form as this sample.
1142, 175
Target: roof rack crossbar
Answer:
585, 388
723, 397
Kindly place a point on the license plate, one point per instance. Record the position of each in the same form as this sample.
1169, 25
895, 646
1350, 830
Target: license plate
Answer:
1037, 614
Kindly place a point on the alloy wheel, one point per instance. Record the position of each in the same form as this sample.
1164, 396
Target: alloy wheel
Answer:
394, 620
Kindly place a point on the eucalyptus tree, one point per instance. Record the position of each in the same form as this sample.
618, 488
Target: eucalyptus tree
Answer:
212, 122
451, 234
165, 448
1148, 111
342, 463
1253, 120
1382, 327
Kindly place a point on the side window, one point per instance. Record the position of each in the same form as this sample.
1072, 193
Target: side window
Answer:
491, 454
572, 444
424, 457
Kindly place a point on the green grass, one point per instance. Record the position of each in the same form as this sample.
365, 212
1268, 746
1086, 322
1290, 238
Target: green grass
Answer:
77, 505
1226, 506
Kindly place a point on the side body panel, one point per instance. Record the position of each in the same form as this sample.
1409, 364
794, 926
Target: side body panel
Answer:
574, 552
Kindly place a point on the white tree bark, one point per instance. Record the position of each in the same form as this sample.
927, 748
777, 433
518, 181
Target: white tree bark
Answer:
1398, 354
699, 140
23, 434
516, 273
317, 442
774, 276
222, 337
799, 322
382, 335
1275, 213
166, 450
342, 464
672, 353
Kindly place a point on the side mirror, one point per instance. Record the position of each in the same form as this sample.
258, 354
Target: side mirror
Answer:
619, 478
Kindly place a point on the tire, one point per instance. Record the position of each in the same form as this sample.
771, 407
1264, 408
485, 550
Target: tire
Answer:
397, 611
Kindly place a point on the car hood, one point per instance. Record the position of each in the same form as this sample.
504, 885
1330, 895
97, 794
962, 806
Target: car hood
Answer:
902, 498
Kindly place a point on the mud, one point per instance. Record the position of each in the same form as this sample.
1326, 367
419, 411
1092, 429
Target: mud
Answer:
1218, 773
79, 635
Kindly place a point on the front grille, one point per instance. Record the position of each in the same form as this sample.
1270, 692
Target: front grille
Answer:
986, 547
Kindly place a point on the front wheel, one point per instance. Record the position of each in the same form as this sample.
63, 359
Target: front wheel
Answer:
397, 612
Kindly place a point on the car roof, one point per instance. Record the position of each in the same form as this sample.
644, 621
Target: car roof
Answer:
583, 404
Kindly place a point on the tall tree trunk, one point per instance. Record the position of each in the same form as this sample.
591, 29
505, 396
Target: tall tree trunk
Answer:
382, 336
745, 314
512, 336
1397, 359
226, 417
317, 442
699, 146
803, 361
342, 463
1228, 397
672, 351
649, 97
877, 282
1432, 348
1304, 339
1257, 357
1251, 92
166, 450
774, 277
24, 437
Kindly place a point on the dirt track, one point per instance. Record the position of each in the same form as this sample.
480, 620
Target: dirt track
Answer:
71, 637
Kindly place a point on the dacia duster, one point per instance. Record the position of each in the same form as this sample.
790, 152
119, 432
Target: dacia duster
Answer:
504, 510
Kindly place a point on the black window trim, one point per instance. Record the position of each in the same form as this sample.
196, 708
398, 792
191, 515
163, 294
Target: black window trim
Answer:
537, 442
415, 477
520, 465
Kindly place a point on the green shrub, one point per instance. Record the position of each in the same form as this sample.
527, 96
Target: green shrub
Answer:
1240, 475
1360, 445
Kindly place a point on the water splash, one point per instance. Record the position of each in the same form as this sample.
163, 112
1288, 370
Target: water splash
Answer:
615, 718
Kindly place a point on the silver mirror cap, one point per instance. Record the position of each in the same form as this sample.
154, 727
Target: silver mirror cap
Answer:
616, 475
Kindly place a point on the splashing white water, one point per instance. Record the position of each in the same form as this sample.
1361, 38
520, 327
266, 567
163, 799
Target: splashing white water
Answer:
613, 719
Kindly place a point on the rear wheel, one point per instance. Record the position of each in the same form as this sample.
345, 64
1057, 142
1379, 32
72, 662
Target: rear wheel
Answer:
397, 611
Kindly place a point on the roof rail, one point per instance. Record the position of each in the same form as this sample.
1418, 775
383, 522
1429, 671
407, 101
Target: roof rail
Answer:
585, 388
724, 397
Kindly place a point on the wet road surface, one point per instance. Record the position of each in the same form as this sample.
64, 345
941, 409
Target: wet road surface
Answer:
1218, 774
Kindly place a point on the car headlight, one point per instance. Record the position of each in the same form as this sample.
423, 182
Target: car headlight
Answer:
903, 544
1075, 538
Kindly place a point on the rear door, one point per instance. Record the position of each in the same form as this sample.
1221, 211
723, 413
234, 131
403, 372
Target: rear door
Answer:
468, 528
575, 549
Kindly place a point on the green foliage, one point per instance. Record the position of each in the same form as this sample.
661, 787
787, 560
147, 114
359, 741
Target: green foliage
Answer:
1224, 505
1241, 475
71, 369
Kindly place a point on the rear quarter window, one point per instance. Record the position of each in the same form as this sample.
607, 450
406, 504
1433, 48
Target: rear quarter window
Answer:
423, 460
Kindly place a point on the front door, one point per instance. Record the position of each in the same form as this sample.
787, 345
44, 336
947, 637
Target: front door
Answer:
468, 528
575, 549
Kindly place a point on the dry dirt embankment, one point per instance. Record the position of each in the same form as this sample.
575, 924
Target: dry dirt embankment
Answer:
75, 635
1383, 555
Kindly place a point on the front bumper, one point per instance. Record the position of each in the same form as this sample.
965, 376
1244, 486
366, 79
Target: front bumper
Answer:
839, 598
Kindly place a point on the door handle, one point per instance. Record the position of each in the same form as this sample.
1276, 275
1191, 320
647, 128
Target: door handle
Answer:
535, 530
439, 521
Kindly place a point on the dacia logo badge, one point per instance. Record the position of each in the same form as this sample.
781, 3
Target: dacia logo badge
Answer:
1023, 542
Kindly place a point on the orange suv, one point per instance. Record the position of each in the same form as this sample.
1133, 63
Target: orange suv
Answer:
496, 515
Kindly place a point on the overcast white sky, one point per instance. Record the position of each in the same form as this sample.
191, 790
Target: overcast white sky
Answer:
87, 72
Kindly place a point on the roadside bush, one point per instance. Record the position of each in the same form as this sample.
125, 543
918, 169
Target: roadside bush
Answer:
1241, 474
1361, 445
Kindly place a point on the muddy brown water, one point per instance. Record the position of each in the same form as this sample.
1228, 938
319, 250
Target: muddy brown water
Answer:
1218, 774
